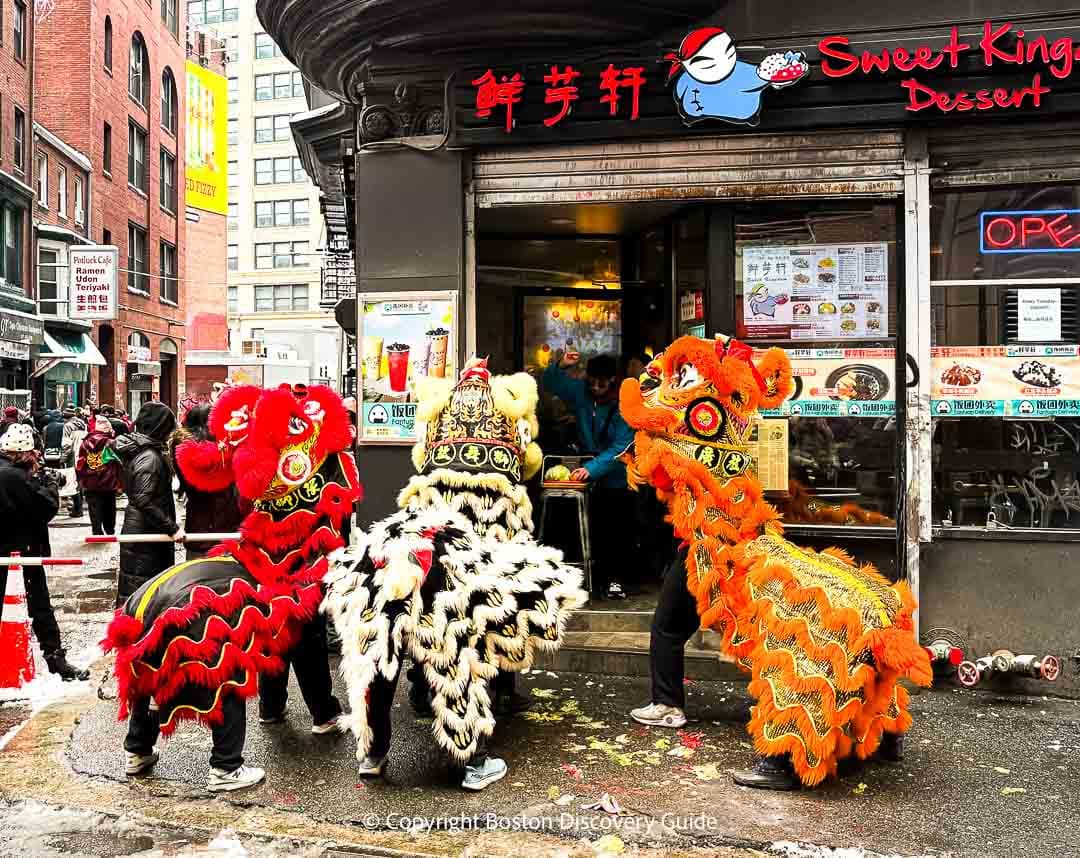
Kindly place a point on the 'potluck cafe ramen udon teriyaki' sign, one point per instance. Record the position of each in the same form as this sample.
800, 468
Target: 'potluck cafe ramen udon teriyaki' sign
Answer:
709, 80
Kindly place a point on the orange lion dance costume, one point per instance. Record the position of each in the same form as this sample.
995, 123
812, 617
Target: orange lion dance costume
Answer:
825, 640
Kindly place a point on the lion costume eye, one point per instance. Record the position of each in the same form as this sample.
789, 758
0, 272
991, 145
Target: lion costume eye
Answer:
687, 376
524, 433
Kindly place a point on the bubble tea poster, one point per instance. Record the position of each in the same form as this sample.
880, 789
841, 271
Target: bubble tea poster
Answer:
401, 341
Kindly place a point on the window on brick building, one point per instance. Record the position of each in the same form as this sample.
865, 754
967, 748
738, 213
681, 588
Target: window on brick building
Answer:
278, 85
138, 267
281, 299
106, 149
271, 129
282, 213
168, 180
80, 210
108, 43
139, 71
20, 31
136, 156
20, 140
106, 237
170, 290
234, 300
168, 102
48, 285
234, 258
61, 192
43, 180
265, 47
168, 15
11, 224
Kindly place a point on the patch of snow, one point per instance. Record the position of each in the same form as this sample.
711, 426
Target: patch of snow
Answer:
808, 850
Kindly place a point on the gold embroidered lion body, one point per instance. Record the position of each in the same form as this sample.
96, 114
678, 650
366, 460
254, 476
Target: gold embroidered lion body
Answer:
824, 639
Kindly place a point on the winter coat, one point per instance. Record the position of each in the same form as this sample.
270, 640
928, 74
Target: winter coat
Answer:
54, 437
151, 509
98, 467
30, 500
74, 432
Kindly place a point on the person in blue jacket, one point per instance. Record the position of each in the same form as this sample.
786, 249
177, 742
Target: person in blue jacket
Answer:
604, 435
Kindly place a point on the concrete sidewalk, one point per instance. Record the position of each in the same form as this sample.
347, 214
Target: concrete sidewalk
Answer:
985, 775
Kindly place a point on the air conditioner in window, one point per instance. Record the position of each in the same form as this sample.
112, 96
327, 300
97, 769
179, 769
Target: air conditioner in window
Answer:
253, 348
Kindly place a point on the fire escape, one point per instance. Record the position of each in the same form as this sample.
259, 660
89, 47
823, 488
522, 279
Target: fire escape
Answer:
338, 273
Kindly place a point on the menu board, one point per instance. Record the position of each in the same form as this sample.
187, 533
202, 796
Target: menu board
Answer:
401, 339
768, 443
840, 383
1006, 381
816, 291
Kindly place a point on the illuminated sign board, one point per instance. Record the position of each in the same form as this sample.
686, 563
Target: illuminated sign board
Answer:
1050, 231
1001, 45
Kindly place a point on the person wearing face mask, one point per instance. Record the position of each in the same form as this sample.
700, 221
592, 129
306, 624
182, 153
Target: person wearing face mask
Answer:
604, 435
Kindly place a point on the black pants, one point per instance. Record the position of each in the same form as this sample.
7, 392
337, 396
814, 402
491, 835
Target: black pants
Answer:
102, 506
310, 662
380, 705
76, 504
38, 605
612, 515
674, 623
228, 749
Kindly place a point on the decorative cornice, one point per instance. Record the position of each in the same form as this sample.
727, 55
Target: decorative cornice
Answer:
332, 41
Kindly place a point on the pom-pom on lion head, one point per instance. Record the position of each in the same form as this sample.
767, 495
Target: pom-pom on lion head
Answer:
698, 397
482, 424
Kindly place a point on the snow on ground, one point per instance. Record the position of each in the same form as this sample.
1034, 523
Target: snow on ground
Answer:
807, 850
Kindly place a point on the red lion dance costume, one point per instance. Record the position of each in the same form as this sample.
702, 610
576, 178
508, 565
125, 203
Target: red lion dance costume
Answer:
207, 628
825, 640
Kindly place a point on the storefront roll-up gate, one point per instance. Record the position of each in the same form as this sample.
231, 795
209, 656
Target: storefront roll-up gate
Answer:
748, 166
731, 167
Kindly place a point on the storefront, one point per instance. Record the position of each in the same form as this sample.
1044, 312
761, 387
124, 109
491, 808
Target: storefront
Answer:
20, 334
62, 370
900, 215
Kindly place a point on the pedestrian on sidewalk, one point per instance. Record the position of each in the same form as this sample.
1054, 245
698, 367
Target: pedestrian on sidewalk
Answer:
74, 432
100, 476
206, 512
604, 435
151, 507
10, 417
30, 497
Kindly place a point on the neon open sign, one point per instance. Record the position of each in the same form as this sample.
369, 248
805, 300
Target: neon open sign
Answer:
1053, 231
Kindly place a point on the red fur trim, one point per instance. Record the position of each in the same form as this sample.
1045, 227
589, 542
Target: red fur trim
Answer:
123, 631
232, 399
205, 465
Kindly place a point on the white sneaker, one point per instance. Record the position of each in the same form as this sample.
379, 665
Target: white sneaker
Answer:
478, 777
241, 778
334, 725
372, 767
659, 715
138, 764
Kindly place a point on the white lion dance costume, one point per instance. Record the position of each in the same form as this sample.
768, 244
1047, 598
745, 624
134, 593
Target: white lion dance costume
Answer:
455, 580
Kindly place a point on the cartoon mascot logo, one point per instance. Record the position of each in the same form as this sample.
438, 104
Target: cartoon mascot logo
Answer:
712, 83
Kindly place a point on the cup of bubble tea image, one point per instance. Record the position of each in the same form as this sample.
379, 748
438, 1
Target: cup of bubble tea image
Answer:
371, 357
437, 341
397, 355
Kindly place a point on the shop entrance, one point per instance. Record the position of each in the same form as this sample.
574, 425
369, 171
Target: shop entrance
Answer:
820, 278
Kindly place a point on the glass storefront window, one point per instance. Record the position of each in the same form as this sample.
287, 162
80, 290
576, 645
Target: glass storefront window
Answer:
820, 280
1005, 386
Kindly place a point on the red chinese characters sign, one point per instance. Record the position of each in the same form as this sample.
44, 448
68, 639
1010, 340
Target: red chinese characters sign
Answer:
1000, 45
562, 90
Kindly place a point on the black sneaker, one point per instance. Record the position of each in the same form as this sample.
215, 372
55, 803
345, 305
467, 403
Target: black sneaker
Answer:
891, 749
775, 773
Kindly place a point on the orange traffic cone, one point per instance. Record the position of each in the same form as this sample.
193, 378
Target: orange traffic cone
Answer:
16, 655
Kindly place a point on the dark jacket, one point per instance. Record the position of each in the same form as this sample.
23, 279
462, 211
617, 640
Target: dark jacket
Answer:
150, 509
207, 512
98, 467
54, 431
32, 501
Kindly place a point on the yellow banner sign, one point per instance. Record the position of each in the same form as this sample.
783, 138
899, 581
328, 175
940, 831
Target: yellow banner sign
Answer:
207, 141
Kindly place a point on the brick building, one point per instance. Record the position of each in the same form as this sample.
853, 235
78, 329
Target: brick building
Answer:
121, 64
20, 328
68, 357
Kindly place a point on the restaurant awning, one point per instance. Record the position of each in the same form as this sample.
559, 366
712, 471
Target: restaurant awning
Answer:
71, 346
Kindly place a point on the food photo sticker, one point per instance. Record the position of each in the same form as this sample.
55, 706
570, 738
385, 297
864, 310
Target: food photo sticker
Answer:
711, 82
